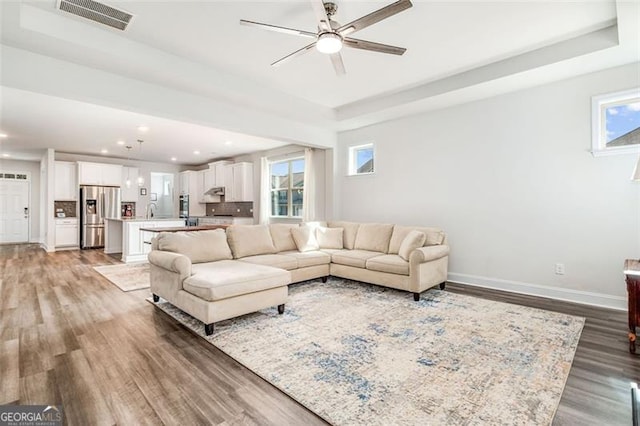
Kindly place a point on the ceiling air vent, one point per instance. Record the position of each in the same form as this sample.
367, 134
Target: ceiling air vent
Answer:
97, 12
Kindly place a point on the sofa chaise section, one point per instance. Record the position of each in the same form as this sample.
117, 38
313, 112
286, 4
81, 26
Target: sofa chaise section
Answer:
216, 287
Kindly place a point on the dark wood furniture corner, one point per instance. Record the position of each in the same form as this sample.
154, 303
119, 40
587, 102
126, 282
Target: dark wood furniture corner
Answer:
632, 271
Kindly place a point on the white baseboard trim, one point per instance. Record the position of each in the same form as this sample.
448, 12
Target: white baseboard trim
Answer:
564, 294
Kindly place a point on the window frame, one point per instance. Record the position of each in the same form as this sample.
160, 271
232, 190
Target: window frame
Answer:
599, 105
289, 190
352, 166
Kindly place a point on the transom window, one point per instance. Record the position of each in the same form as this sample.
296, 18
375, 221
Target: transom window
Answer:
287, 187
616, 123
361, 159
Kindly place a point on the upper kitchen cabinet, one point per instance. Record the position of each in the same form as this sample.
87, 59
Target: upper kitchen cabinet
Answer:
239, 182
99, 174
129, 192
214, 177
66, 182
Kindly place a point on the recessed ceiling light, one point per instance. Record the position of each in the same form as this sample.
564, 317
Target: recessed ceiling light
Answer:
143, 129
6, 155
104, 151
196, 152
228, 142
120, 142
173, 158
3, 135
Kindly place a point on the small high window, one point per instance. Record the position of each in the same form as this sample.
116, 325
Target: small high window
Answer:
361, 159
616, 123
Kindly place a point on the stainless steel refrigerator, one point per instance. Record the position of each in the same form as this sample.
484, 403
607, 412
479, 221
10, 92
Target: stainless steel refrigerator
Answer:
97, 204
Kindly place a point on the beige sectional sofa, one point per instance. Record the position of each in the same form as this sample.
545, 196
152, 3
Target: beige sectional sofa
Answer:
213, 275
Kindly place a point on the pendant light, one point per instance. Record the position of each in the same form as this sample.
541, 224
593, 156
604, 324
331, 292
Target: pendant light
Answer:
140, 178
127, 183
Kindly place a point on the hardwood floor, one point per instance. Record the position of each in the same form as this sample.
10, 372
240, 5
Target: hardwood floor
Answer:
68, 336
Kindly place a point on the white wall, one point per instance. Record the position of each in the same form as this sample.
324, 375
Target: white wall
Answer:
512, 182
33, 168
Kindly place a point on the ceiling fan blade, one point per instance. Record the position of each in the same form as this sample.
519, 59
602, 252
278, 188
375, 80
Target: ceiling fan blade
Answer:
293, 55
321, 15
374, 17
278, 29
338, 65
372, 46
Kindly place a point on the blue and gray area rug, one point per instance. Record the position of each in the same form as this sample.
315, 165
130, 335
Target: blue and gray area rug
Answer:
355, 353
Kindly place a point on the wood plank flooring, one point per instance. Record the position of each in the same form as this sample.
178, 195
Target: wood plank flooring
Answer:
68, 336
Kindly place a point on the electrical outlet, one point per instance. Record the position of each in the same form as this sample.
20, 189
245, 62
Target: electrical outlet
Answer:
559, 268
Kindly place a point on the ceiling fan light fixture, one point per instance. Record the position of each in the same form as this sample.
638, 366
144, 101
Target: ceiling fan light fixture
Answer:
329, 43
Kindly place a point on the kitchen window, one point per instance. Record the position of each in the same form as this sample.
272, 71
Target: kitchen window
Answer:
616, 123
287, 187
361, 159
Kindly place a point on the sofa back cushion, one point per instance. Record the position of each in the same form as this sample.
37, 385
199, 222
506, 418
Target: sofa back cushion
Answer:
199, 246
413, 240
281, 236
374, 237
349, 233
250, 240
434, 236
330, 238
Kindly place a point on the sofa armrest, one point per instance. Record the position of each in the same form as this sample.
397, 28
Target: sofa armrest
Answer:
429, 253
173, 262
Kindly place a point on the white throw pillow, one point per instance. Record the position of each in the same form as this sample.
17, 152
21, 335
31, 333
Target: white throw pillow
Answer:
412, 241
305, 238
329, 238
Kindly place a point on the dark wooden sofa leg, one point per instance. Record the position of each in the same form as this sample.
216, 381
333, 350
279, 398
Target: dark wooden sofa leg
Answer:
442, 285
156, 298
416, 297
208, 329
324, 279
281, 309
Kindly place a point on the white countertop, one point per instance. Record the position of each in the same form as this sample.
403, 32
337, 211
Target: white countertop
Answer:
142, 219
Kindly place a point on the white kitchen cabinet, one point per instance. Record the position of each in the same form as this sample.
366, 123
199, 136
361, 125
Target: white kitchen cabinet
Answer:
129, 194
184, 184
99, 174
209, 179
239, 182
66, 232
66, 182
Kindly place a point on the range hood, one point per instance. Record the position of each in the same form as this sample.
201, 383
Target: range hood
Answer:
216, 190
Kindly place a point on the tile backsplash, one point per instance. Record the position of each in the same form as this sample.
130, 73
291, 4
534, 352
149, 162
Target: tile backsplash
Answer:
241, 209
68, 207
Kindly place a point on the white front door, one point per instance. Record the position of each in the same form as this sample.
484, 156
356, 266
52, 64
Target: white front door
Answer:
14, 211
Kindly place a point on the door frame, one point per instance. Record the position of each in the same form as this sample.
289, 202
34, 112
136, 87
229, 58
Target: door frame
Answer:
27, 174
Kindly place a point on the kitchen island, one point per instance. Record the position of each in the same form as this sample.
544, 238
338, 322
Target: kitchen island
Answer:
127, 236
185, 228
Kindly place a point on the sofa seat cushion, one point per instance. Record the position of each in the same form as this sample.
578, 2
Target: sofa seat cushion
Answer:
309, 258
275, 260
391, 263
228, 278
357, 258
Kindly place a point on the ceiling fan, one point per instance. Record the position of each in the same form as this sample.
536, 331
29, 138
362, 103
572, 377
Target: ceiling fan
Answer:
331, 36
